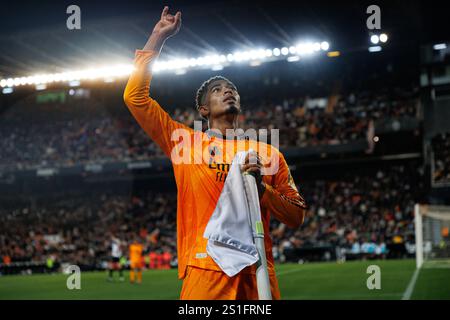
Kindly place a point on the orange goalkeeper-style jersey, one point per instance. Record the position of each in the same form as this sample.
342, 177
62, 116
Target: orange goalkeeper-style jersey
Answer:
200, 183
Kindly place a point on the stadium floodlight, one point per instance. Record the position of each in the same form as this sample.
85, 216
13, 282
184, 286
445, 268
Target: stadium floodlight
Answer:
200, 61
316, 46
301, 48
262, 53
440, 46
306, 48
253, 55
383, 37
247, 55
7, 90
213, 61
192, 62
238, 56
217, 67
309, 47
374, 39
375, 49
325, 46
293, 58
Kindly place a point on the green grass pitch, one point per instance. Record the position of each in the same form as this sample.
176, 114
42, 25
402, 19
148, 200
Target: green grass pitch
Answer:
307, 281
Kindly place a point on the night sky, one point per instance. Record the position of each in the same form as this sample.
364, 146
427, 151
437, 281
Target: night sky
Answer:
27, 28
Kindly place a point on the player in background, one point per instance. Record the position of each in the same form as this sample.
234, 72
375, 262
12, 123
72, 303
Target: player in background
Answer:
199, 185
136, 260
116, 255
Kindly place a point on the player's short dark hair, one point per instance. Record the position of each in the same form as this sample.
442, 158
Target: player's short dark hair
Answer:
203, 90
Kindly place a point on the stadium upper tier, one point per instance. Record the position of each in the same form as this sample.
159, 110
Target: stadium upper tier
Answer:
78, 131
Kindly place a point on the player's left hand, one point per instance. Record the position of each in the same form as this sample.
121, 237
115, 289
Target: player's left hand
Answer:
253, 166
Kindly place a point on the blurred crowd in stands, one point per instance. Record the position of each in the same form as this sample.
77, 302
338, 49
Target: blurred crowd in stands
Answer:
440, 145
359, 214
363, 215
79, 132
80, 230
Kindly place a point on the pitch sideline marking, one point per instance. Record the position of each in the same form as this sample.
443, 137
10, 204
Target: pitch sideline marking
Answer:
409, 290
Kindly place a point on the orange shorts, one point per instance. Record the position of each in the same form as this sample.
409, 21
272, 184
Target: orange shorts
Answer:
203, 284
136, 264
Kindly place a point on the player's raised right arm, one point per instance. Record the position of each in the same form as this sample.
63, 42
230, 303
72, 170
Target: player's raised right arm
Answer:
147, 112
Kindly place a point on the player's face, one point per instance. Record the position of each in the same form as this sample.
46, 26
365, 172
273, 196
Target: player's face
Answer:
223, 98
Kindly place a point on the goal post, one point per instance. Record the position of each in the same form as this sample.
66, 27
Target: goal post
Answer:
432, 224
419, 236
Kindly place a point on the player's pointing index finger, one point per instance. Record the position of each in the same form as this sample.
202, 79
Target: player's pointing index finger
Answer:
164, 12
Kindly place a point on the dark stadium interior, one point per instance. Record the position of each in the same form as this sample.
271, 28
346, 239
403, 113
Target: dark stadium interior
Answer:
74, 163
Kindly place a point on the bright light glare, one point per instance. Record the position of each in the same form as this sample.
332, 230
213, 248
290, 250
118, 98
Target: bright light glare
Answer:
374, 39
383, 37
217, 67
325, 46
375, 49
178, 65
440, 46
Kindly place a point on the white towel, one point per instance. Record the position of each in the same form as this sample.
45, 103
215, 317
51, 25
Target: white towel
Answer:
229, 231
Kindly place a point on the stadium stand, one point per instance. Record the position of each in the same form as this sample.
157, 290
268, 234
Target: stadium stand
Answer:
85, 131
367, 215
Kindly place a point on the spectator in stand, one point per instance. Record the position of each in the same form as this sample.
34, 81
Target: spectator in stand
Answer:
440, 145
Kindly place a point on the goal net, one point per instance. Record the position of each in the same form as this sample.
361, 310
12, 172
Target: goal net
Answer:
432, 224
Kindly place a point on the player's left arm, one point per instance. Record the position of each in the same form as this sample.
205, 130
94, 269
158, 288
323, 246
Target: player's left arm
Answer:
282, 198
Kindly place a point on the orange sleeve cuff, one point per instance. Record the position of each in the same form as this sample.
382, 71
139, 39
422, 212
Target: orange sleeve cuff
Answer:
143, 57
